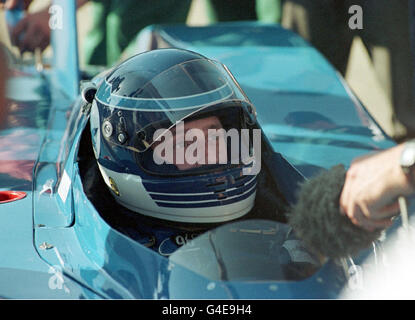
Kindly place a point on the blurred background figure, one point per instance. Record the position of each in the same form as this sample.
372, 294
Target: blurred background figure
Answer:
116, 23
370, 59
113, 24
232, 10
385, 34
27, 33
268, 11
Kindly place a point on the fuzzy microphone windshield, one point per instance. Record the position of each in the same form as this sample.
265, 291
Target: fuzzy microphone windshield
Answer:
317, 221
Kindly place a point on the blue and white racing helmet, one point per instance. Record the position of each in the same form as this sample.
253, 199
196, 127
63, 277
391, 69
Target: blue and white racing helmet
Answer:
168, 130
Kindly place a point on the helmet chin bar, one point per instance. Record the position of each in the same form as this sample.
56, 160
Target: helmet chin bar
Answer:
130, 192
195, 216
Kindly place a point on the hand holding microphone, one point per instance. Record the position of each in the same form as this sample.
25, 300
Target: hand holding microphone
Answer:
341, 212
374, 184
316, 218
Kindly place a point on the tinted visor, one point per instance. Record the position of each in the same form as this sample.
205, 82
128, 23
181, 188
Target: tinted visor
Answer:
132, 117
212, 139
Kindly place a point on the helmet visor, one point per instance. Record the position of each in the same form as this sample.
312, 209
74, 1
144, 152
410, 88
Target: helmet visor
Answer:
212, 139
136, 117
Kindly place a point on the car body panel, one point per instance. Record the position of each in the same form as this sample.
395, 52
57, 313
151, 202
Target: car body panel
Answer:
34, 121
54, 242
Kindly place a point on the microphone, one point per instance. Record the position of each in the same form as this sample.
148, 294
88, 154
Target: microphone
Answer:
317, 221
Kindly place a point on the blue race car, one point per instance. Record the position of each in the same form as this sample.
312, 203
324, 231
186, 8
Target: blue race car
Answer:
59, 240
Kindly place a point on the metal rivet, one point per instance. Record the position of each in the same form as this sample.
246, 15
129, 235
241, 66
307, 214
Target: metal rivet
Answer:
122, 137
107, 129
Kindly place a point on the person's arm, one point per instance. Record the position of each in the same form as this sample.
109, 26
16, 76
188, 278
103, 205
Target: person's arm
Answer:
372, 187
80, 3
12, 4
33, 31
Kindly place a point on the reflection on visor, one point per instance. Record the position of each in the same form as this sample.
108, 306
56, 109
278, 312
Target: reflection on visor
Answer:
207, 146
206, 141
131, 119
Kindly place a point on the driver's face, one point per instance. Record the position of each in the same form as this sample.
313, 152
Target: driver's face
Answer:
212, 146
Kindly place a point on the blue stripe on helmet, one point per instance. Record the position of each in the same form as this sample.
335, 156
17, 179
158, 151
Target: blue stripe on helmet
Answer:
162, 105
200, 197
188, 185
206, 204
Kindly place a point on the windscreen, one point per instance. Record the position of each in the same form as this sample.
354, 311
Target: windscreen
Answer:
249, 250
